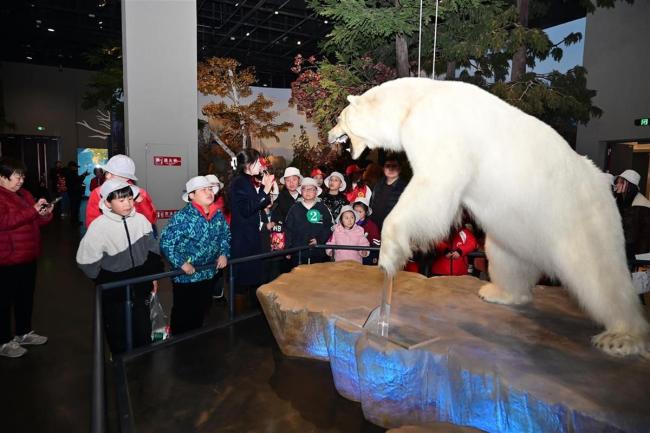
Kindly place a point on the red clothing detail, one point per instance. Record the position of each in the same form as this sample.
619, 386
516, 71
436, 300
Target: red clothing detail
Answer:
96, 182
20, 232
144, 206
212, 210
356, 193
462, 240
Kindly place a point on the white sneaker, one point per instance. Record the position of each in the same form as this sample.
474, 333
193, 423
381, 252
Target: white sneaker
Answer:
30, 339
12, 350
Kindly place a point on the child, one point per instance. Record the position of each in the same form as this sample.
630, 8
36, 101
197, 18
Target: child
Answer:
121, 167
318, 175
334, 198
347, 232
363, 209
452, 253
357, 187
308, 222
196, 235
119, 244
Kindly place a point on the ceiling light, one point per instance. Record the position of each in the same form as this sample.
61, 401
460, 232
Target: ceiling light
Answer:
265, 85
50, 29
232, 38
100, 27
91, 15
299, 42
276, 12
100, 23
37, 26
29, 57
38, 21
326, 22
248, 34
236, 4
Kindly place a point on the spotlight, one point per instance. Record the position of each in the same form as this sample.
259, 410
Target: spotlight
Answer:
100, 23
326, 22
50, 29
299, 42
248, 34
232, 38
91, 15
38, 21
29, 57
276, 12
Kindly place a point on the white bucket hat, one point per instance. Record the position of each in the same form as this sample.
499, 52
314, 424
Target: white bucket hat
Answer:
365, 201
113, 185
344, 209
195, 183
215, 182
291, 171
121, 165
631, 176
340, 176
308, 181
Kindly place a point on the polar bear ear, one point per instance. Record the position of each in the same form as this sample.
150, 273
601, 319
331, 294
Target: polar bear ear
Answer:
352, 99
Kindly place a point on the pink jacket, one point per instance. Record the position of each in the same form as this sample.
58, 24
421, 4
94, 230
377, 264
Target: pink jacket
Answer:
342, 236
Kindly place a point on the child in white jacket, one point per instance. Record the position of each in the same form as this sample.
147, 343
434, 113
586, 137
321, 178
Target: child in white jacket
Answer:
347, 232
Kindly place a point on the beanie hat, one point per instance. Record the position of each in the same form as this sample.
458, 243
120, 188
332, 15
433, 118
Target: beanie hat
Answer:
115, 184
631, 176
195, 183
308, 181
340, 176
290, 171
121, 165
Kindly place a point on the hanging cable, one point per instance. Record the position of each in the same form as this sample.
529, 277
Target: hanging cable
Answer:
435, 40
420, 41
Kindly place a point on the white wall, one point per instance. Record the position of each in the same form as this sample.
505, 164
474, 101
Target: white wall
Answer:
51, 97
617, 58
159, 53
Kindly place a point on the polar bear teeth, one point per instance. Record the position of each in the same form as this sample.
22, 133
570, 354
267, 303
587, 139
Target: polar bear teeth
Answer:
342, 139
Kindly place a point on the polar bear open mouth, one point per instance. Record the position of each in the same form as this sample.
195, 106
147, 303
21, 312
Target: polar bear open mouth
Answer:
341, 139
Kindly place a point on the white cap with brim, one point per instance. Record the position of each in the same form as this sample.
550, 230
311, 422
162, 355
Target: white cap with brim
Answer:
291, 171
195, 183
113, 185
216, 183
365, 201
344, 209
340, 176
121, 165
631, 176
308, 181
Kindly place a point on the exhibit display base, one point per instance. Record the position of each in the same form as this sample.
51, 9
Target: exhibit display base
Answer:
451, 357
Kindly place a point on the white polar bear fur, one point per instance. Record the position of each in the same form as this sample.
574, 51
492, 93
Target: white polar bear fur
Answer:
544, 208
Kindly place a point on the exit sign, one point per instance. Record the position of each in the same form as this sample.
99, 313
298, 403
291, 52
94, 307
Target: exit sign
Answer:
645, 121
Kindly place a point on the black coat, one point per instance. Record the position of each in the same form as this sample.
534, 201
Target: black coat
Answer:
384, 198
283, 204
246, 205
303, 224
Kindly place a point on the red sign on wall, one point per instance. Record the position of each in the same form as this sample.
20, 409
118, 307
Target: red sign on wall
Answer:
167, 160
164, 214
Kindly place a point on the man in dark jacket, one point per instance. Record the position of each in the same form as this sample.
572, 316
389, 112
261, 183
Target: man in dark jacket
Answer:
289, 194
387, 192
75, 185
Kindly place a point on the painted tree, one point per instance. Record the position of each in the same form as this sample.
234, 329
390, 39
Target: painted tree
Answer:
232, 120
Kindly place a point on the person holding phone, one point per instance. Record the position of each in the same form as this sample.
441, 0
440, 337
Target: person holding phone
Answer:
21, 218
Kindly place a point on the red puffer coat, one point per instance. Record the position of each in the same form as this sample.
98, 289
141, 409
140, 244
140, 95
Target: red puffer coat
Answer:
20, 233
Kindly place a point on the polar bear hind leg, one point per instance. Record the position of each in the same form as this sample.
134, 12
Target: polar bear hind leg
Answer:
511, 277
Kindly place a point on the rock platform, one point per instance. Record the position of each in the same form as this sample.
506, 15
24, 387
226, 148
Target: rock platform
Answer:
451, 357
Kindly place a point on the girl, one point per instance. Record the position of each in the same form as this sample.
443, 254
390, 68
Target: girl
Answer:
347, 232
362, 208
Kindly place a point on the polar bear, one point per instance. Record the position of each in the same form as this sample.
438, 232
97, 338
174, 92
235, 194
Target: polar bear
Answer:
544, 208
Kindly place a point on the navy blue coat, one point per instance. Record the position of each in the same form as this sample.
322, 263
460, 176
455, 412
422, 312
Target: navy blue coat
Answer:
246, 204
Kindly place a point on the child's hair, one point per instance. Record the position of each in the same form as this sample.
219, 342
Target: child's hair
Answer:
363, 205
120, 193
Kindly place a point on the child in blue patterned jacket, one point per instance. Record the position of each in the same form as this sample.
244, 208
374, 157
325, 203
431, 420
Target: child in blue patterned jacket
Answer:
196, 235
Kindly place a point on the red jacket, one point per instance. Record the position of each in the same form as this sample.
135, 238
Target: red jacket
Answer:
20, 232
463, 242
143, 205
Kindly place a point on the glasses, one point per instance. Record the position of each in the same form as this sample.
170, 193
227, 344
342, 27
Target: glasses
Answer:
309, 188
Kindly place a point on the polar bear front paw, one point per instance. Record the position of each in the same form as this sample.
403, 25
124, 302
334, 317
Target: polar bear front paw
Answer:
621, 344
492, 293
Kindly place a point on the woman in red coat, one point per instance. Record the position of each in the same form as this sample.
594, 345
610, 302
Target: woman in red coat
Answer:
20, 246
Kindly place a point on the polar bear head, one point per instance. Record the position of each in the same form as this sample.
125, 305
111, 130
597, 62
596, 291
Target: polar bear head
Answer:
368, 122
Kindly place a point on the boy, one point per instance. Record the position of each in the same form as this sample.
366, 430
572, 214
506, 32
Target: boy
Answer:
120, 244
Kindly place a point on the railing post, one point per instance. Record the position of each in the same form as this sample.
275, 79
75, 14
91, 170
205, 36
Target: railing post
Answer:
98, 410
231, 292
129, 319
300, 257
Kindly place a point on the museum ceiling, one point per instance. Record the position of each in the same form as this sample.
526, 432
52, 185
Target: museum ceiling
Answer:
266, 34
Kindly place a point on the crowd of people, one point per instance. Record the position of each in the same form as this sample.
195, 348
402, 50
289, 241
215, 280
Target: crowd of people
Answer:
254, 214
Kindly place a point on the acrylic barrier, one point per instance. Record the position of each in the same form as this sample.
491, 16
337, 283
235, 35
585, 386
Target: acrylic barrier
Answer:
451, 357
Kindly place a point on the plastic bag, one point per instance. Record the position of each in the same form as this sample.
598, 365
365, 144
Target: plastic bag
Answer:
159, 326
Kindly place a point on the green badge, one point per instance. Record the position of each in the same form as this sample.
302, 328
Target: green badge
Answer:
314, 216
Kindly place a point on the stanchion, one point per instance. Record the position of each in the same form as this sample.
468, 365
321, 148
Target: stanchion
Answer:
98, 412
129, 319
231, 292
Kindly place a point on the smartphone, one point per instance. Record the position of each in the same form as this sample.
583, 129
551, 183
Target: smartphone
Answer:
55, 201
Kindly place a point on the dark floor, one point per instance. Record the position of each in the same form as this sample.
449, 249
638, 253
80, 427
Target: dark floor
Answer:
225, 381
